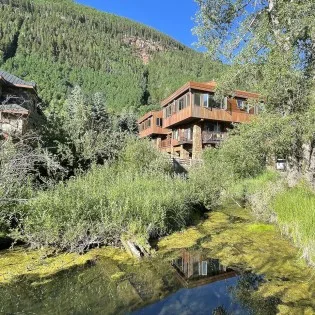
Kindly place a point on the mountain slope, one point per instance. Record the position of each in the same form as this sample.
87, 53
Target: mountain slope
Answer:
61, 44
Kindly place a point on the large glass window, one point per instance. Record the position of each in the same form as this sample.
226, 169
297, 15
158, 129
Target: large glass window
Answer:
159, 122
173, 108
197, 99
181, 104
188, 99
169, 110
189, 133
175, 134
213, 127
241, 103
205, 100
213, 103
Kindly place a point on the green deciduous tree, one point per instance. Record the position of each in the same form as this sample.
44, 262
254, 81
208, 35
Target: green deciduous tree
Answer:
83, 132
271, 44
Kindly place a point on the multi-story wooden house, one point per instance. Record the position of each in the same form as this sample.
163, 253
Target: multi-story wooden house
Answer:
191, 119
19, 109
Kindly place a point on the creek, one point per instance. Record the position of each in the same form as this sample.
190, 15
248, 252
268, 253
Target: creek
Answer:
227, 264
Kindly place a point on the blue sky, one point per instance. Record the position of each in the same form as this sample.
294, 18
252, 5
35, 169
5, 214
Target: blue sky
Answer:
172, 17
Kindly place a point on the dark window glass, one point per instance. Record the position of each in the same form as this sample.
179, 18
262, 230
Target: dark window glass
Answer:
213, 103
181, 104
197, 99
159, 122
241, 103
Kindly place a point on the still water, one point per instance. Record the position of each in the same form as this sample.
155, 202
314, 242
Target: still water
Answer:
190, 283
207, 288
228, 264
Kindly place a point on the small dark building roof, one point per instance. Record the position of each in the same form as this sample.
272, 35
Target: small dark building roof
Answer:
13, 108
13, 80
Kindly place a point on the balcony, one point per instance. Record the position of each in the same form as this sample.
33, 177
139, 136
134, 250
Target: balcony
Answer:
192, 112
151, 124
185, 140
212, 137
153, 130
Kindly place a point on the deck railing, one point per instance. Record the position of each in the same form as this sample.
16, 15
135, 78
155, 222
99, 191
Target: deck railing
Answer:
184, 139
213, 136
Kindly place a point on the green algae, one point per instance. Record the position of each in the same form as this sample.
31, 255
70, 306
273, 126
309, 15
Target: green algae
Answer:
23, 262
111, 282
230, 234
259, 227
251, 245
184, 239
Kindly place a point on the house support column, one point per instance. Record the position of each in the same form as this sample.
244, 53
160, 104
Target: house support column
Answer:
158, 143
197, 142
184, 154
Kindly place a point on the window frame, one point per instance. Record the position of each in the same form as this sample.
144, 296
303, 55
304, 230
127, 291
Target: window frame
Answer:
205, 100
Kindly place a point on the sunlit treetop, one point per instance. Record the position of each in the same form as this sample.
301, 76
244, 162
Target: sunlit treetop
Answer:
271, 44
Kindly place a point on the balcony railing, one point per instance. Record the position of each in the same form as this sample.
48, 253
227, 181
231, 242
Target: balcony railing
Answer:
184, 140
213, 136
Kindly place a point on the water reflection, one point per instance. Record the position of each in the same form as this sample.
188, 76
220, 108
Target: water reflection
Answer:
195, 268
208, 287
192, 283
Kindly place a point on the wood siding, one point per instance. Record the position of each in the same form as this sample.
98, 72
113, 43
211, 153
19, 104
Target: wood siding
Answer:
231, 114
153, 129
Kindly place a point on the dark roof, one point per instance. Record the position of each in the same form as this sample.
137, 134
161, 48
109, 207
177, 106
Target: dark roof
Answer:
12, 79
13, 108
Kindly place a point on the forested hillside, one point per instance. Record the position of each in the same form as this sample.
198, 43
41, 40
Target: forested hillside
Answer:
60, 44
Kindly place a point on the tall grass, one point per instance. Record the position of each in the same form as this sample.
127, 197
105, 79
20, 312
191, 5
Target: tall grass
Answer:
295, 211
292, 209
135, 197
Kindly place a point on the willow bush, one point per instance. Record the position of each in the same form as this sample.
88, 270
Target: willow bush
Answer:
111, 201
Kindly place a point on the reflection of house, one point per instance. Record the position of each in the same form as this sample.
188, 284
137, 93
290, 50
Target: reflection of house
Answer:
18, 105
191, 119
193, 265
195, 268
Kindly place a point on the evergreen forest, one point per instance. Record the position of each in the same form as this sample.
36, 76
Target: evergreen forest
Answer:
60, 44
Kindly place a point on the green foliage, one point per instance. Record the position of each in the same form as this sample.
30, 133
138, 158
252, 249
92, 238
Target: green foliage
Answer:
83, 132
249, 186
20, 163
141, 156
246, 151
60, 44
270, 44
207, 181
109, 202
295, 210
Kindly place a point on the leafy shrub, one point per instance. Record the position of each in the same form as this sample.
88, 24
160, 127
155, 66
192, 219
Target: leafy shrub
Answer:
110, 201
208, 180
142, 156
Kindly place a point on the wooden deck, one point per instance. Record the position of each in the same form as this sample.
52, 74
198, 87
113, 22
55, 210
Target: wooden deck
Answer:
193, 112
